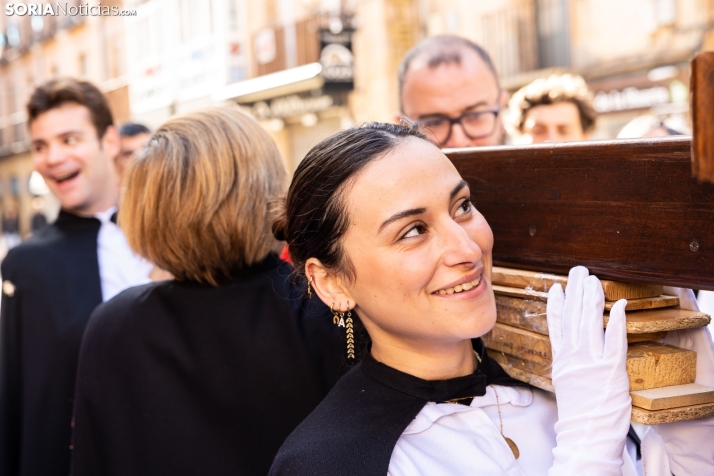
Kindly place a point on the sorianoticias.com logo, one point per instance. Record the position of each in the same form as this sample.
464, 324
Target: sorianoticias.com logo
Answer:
56, 9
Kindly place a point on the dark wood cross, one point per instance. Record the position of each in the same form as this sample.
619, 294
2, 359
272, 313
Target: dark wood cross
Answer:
627, 209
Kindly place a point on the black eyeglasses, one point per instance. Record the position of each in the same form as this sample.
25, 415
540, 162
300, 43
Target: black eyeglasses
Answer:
476, 125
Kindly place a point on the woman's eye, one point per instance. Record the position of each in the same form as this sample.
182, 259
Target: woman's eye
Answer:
70, 140
465, 207
416, 230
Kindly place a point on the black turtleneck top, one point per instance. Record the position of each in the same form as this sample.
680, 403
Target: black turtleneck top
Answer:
354, 430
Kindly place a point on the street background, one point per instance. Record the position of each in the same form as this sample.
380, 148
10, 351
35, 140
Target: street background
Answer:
307, 68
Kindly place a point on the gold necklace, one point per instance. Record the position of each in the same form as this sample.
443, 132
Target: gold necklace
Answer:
511, 444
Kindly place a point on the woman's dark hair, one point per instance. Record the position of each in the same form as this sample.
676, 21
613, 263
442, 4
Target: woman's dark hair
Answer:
315, 218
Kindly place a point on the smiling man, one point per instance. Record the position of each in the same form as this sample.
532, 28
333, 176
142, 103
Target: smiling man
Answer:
448, 86
53, 282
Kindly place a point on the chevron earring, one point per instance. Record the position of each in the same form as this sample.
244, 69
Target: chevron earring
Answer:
350, 334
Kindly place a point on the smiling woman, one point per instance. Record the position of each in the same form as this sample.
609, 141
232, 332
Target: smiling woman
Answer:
382, 225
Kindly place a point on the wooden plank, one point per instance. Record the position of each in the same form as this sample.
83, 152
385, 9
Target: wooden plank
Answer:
627, 209
514, 369
531, 315
649, 336
653, 365
614, 290
524, 344
649, 364
671, 397
639, 415
522, 313
702, 87
632, 304
662, 320
657, 417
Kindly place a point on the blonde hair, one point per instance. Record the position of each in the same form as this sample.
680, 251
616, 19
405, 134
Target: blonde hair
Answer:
551, 90
198, 197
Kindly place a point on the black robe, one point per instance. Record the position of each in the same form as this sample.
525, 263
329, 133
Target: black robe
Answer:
51, 286
355, 429
190, 379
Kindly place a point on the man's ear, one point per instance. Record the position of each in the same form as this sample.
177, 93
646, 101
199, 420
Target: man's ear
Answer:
329, 286
111, 143
503, 100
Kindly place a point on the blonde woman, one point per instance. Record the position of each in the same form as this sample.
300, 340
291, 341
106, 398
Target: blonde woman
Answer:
210, 372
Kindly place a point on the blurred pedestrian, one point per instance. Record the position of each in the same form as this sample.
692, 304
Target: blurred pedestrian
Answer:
558, 108
210, 372
39, 219
133, 137
449, 87
11, 227
53, 281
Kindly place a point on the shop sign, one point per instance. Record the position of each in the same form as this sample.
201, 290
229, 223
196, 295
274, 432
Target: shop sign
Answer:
630, 98
337, 59
295, 105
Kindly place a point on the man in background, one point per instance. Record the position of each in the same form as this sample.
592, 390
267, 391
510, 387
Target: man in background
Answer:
558, 108
132, 138
448, 86
54, 280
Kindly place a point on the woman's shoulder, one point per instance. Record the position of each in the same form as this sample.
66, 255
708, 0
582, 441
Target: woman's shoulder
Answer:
352, 432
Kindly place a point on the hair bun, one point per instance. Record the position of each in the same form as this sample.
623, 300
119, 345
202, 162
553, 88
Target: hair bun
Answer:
280, 220
279, 229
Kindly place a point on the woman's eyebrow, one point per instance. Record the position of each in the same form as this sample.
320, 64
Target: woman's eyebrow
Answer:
457, 189
400, 215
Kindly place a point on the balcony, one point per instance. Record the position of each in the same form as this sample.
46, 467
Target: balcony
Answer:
528, 36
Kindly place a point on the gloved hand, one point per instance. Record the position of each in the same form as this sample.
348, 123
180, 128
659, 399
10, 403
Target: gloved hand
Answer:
690, 444
590, 378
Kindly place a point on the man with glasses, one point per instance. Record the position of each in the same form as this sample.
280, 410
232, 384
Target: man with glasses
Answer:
448, 87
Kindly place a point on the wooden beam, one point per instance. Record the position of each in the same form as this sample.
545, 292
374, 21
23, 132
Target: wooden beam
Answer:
702, 89
632, 304
629, 210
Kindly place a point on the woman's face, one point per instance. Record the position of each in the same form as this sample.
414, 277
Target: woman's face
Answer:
420, 250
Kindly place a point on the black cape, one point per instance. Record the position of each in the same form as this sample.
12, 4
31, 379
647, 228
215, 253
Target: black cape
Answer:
190, 379
51, 286
354, 430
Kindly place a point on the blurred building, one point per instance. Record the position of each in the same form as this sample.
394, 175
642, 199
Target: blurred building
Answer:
307, 68
34, 49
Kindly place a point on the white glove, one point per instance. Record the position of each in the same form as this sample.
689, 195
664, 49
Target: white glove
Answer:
590, 378
690, 444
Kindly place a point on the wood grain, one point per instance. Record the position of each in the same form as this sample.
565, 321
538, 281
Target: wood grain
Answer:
520, 343
639, 415
653, 365
632, 304
629, 210
702, 88
614, 290
657, 417
531, 315
650, 336
672, 397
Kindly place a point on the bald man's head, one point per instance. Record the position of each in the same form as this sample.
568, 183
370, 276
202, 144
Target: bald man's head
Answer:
448, 76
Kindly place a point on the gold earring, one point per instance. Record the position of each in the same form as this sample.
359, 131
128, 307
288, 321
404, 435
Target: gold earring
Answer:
309, 291
350, 334
335, 314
